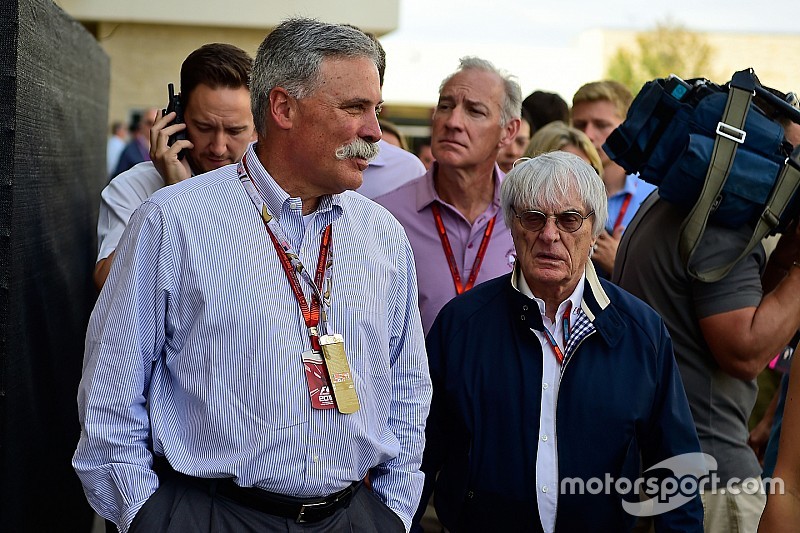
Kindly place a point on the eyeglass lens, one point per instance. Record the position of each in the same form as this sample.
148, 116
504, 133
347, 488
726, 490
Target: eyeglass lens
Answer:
535, 220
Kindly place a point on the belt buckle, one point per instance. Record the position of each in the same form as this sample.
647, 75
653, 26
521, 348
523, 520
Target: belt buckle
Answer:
305, 507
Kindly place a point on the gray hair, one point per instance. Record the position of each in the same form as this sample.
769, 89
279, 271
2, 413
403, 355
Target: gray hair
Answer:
547, 179
511, 106
291, 57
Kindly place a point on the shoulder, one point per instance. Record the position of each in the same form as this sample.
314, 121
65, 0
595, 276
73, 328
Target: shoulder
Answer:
367, 215
140, 181
394, 155
404, 199
631, 310
196, 188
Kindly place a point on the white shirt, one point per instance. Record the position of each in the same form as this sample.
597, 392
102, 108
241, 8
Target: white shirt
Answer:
393, 167
114, 148
547, 450
119, 200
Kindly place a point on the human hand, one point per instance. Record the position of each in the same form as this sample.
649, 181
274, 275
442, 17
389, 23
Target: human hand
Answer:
758, 438
165, 157
605, 251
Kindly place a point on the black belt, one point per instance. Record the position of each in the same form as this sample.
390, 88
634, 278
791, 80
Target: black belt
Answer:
302, 510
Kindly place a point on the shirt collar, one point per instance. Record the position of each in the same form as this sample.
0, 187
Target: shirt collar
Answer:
277, 200
631, 182
426, 192
576, 298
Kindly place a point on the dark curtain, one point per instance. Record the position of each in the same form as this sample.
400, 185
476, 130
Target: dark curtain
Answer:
54, 81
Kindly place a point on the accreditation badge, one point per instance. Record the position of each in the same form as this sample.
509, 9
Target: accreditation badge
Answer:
319, 388
341, 379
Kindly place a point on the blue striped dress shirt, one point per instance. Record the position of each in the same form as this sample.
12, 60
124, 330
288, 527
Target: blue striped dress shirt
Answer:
193, 351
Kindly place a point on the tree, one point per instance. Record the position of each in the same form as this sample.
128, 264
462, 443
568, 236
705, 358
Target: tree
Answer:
668, 49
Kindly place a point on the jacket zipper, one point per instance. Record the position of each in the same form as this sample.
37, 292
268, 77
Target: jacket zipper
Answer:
555, 414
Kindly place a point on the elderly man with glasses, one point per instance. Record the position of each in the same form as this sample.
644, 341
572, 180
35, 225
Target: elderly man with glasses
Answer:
553, 389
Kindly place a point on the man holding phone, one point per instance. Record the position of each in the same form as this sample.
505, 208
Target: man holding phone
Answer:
215, 98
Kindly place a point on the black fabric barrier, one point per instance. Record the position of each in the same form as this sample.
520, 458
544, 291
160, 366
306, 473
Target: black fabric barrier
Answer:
54, 81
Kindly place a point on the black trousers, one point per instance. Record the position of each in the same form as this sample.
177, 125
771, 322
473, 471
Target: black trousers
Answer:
181, 506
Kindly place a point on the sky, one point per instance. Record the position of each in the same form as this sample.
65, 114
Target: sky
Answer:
557, 21
537, 41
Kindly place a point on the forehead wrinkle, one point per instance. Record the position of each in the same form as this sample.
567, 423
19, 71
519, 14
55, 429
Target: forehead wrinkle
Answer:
458, 96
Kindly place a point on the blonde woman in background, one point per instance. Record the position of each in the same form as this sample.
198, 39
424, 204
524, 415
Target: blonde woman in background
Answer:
559, 136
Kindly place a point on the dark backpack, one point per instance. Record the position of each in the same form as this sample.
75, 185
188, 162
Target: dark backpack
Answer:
712, 151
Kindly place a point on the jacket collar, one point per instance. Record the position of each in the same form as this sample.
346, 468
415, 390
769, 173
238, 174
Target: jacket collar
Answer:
596, 305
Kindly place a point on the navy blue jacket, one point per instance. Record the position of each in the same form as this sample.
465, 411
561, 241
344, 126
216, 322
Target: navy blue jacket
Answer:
621, 408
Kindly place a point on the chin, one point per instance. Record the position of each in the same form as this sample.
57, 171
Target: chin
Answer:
345, 183
354, 184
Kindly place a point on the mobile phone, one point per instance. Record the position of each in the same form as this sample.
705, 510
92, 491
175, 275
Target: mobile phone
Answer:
174, 104
676, 87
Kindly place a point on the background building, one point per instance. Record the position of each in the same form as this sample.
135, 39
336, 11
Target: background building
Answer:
147, 40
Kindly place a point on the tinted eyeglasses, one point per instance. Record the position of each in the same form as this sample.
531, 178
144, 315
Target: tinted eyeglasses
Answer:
569, 221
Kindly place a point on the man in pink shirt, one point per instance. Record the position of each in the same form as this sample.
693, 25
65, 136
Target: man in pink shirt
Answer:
451, 212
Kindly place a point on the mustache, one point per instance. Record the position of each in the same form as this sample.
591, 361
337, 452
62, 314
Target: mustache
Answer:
358, 149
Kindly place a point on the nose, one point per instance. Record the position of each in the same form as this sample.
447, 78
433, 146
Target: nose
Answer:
370, 130
550, 232
218, 144
455, 118
592, 133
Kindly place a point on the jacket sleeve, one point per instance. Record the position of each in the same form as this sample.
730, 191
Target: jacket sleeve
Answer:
435, 444
671, 440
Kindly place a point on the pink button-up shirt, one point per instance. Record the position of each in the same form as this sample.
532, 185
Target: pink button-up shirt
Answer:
411, 205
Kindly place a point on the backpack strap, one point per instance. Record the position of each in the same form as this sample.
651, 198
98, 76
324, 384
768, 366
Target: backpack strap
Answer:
730, 134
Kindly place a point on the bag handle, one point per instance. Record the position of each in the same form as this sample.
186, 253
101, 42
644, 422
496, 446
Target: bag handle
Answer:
730, 134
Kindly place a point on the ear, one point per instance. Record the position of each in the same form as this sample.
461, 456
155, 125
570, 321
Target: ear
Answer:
282, 108
509, 132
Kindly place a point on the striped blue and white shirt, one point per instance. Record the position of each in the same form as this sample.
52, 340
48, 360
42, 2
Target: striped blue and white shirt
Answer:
194, 351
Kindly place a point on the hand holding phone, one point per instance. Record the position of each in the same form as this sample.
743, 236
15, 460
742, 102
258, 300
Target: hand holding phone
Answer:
175, 105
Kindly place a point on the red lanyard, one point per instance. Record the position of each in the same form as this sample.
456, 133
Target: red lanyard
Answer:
310, 314
448, 251
565, 331
291, 262
622, 210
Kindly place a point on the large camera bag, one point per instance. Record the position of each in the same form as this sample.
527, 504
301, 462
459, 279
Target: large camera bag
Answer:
712, 151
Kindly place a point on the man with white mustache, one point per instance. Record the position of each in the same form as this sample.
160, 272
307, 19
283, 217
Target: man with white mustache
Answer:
358, 149
257, 351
